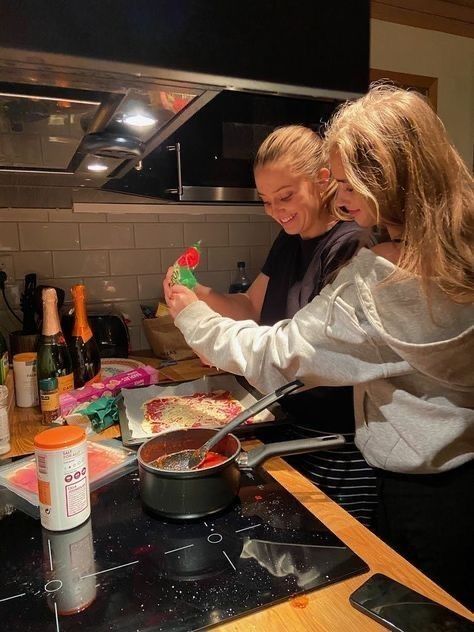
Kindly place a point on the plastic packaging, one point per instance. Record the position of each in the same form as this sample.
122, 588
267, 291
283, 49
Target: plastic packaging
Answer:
109, 386
107, 460
183, 267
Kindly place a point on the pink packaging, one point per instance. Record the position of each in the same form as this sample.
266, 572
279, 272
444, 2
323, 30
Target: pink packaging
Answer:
141, 376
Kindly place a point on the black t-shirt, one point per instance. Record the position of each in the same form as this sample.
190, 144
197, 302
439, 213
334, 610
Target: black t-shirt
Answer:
298, 269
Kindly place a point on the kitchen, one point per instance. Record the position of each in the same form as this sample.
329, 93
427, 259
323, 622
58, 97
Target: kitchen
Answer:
124, 255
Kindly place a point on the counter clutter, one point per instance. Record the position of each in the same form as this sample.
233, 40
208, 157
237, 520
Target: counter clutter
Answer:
118, 566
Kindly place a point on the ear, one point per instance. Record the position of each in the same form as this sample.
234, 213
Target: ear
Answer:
323, 175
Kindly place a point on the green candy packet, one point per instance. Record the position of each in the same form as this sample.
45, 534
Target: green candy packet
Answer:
183, 267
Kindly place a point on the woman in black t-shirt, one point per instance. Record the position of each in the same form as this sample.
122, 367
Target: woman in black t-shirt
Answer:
293, 181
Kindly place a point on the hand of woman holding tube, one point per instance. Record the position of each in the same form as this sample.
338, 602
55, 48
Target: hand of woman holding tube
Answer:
177, 297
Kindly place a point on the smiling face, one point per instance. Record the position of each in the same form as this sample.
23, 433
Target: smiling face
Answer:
291, 200
354, 203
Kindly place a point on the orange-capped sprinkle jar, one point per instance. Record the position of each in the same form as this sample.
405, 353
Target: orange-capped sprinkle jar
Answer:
63, 477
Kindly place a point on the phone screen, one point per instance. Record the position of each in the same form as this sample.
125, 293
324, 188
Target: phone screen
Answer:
402, 609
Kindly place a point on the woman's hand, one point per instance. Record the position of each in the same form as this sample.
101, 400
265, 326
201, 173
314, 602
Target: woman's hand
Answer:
177, 296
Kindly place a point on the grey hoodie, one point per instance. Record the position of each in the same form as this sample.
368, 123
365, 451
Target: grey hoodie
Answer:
412, 368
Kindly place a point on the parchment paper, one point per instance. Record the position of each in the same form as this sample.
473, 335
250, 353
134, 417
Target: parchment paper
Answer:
131, 414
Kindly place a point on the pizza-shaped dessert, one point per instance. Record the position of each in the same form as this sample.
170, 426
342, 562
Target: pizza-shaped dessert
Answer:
200, 410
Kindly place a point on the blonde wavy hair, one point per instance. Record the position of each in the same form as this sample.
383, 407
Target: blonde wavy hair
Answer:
303, 152
397, 155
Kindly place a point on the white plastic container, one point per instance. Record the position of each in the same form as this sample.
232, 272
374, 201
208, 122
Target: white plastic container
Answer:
63, 477
26, 383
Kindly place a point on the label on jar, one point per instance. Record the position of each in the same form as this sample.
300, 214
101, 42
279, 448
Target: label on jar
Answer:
65, 383
49, 401
63, 487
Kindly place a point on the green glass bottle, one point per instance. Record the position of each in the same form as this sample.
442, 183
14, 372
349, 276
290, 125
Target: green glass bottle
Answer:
53, 358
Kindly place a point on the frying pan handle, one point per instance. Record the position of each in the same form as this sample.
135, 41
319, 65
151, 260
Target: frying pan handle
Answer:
255, 408
259, 455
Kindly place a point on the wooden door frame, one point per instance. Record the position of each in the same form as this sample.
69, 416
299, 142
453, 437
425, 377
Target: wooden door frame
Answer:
426, 85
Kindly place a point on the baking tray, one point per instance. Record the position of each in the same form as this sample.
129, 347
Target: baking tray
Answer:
130, 413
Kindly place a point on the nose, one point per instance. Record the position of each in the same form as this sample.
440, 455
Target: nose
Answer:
341, 197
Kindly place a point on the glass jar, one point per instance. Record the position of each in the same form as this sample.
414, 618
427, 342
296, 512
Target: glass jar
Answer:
4, 422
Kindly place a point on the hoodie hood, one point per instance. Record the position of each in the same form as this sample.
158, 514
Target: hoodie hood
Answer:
435, 337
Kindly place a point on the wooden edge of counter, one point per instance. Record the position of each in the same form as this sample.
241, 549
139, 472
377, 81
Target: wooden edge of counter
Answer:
379, 556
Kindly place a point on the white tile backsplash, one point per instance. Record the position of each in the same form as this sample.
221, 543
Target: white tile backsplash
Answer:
9, 237
71, 264
122, 259
49, 236
158, 235
110, 236
135, 261
39, 262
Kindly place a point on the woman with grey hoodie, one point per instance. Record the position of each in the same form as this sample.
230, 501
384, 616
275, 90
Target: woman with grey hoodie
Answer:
397, 323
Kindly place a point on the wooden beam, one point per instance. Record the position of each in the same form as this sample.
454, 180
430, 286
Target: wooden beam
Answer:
426, 85
436, 15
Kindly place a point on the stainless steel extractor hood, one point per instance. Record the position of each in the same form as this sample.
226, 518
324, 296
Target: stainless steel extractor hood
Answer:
92, 97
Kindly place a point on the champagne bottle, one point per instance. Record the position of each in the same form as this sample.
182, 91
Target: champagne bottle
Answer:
53, 358
82, 345
241, 282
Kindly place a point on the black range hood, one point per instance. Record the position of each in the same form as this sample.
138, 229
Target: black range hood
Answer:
166, 100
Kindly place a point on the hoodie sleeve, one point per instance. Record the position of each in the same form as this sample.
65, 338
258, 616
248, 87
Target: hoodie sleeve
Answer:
324, 344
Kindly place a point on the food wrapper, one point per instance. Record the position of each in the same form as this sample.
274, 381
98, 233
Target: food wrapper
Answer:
141, 376
102, 412
183, 266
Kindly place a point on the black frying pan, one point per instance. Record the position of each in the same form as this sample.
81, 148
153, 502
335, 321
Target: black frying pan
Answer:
193, 494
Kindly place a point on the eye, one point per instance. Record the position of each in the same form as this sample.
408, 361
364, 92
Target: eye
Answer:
287, 197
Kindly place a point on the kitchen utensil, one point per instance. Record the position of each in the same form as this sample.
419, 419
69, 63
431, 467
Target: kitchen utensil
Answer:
191, 494
191, 459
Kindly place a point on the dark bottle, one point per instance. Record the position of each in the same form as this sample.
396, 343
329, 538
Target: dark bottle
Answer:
241, 282
82, 345
53, 358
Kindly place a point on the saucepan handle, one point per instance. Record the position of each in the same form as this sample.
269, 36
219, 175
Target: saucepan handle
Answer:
259, 455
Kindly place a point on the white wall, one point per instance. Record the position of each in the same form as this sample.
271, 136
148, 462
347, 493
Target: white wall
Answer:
450, 58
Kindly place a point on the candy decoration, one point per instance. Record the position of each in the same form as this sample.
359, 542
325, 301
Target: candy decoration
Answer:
185, 264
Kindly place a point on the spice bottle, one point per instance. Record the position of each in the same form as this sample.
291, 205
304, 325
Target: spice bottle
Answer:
63, 477
4, 424
241, 282
49, 399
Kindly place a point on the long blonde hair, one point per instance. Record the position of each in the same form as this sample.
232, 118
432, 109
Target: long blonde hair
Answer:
397, 155
303, 152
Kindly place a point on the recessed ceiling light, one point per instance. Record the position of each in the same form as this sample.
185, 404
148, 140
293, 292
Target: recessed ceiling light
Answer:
139, 120
97, 167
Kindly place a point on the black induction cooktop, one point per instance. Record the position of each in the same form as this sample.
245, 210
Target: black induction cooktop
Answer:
126, 570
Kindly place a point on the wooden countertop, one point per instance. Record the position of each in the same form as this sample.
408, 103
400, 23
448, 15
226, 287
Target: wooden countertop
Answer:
25, 423
327, 609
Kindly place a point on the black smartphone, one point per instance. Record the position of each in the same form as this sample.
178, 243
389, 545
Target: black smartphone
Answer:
401, 609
